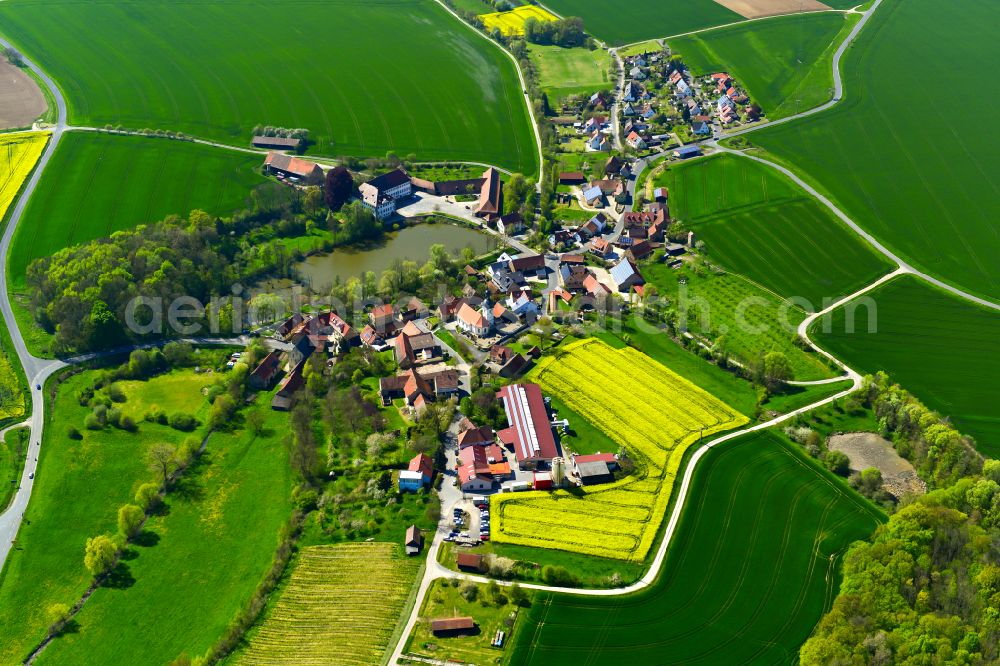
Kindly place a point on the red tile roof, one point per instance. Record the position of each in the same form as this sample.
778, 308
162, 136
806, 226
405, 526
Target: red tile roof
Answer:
529, 429
422, 463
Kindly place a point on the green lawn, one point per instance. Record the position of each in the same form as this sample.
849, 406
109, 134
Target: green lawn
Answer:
205, 556
443, 600
583, 437
97, 184
941, 349
575, 71
434, 88
626, 23
13, 454
750, 571
758, 223
176, 391
785, 63
913, 174
78, 489
796, 397
751, 321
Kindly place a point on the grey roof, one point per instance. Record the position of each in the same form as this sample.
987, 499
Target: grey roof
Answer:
595, 468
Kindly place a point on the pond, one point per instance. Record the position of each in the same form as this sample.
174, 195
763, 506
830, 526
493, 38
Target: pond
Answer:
411, 243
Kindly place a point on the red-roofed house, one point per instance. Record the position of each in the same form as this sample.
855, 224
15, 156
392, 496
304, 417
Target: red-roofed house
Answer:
297, 168
474, 470
529, 430
475, 322
382, 319
482, 436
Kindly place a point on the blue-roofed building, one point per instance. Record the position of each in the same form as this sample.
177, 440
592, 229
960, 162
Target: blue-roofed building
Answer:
685, 152
594, 196
626, 275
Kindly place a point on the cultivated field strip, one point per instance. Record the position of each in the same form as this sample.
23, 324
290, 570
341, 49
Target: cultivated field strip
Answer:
653, 413
746, 580
339, 607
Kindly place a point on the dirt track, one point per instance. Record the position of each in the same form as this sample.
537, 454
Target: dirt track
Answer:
21, 101
758, 8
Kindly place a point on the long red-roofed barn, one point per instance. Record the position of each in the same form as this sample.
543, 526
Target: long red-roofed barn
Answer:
529, 431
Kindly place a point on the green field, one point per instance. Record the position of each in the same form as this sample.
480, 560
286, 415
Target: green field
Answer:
785, 63
97, 184
576, 71
758, 223
750, 321
624, 23
434, 88
941, 349
913, 174
206, 554
78, 489
13, 455
750, 571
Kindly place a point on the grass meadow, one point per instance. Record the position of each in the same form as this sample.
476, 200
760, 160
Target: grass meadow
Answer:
97, 184
745, 319
750, 570
577, 71
199, 561
941, 349
785, 63
625, 23
78, 489
757, 223
896, 156
427, 85
13, 455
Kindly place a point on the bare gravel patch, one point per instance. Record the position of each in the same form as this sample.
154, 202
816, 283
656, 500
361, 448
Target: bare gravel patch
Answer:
867, 449
759, 8
21, 101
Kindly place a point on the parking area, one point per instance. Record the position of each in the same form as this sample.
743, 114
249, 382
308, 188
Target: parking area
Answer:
471, 520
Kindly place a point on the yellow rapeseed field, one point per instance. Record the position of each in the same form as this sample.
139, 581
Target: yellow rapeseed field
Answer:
654, 413
512, 22
18, 153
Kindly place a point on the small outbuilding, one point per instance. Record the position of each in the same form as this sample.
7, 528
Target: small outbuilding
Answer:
469, 562
414, 540
593, 473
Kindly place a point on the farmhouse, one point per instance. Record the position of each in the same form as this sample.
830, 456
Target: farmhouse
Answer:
626, 275
482, 436
415, 346
418, 388
418, 474
293, 168
528, 431
381, 194
292, 382
266, 373
474, 470
510, 225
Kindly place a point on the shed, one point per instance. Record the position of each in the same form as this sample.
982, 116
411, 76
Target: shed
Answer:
593, 473
542, 481
469, 562
452, 626
685, 152
414, 541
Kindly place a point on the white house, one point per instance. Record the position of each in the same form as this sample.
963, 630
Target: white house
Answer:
381, 194
636, 141
522, 304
